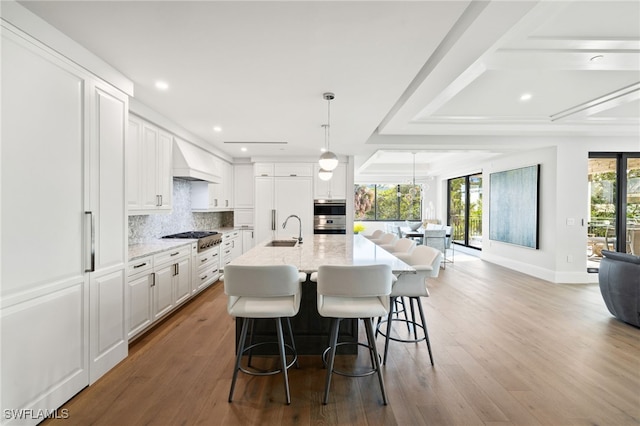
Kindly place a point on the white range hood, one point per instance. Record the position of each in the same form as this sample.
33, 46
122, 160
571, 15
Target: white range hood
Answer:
194, 163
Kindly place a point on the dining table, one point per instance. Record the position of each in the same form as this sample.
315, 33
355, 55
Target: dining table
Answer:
311, 331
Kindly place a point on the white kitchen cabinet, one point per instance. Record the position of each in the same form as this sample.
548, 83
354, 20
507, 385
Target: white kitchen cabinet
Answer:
278, 197
231, 246
247, 240
334, 188
63, 322
206, 196
162, 290
140, 280
293, 169
206, 268
243, 186
149, 166
263, 169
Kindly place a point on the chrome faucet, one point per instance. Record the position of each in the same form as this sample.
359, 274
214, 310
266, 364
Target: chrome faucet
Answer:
300, 228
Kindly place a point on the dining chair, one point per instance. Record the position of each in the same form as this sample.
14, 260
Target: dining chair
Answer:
257, 292
353, 291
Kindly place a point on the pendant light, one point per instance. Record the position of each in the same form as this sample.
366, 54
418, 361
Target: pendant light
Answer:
328, 160
323, 173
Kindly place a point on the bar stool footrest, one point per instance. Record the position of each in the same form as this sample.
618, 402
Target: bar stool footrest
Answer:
345, 373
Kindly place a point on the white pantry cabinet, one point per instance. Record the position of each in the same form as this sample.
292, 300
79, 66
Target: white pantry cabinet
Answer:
275, 199
334, 188
69, 127
149, 168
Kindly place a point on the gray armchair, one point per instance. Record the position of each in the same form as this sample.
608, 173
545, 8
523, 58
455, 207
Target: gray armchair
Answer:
619, 279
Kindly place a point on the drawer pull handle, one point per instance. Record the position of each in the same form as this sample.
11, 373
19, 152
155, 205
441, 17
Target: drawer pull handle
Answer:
140, 265
175, 254
204, 260
204, 278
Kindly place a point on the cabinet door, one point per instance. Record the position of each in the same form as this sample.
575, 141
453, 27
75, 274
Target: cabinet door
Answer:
228, 183
140, 303
44, 299
149, 166
182, 281
263, 213
134, 158
334, 188
164, 177
293, 195
243, 186
247, 240
163, 290
108, 333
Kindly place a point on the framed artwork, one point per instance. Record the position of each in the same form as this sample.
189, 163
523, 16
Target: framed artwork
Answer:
513, 206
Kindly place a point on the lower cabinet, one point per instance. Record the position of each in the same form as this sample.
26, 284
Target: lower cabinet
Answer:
231, 246
157, 284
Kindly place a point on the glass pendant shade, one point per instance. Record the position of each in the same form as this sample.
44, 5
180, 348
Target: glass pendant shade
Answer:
328, 161
325, 174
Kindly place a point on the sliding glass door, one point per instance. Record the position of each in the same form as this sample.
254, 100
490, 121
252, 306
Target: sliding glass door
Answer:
614, 214
465, 210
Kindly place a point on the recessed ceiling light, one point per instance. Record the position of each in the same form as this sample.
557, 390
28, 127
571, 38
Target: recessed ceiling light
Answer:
162, 85
525, 96
596, 58
243, 149
217, 129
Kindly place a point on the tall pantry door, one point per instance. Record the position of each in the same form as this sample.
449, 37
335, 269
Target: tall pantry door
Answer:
293, 195
44, 337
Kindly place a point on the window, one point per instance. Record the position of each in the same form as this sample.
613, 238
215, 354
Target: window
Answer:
387, 202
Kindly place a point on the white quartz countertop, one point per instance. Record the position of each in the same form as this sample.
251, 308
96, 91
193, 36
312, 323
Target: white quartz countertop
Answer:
319, 250
148, 248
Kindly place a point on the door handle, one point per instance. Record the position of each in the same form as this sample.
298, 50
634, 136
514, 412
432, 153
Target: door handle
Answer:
273, 219
91, 228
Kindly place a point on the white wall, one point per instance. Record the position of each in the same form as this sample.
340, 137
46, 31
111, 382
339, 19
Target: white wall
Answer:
561, 257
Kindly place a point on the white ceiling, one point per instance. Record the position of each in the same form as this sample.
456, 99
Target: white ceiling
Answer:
439, 78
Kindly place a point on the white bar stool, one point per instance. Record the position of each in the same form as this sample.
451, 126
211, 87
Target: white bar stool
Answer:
426, 261
263, 292
353, 292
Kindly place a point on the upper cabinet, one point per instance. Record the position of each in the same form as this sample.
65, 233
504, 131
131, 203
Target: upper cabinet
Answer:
149, 168
334, 188
243, 186
206, 196
283, 169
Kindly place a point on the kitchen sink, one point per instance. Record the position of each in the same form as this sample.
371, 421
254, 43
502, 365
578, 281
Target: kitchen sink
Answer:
282, 243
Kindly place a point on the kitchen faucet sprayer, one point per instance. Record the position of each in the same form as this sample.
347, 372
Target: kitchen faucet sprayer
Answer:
300, 228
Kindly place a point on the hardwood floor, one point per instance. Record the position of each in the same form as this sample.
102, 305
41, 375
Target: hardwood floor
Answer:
509, 349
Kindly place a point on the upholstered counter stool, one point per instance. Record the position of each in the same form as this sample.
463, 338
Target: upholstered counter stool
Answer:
376, 234
402, 245
386, 238
426, 261
353, 292
257, 292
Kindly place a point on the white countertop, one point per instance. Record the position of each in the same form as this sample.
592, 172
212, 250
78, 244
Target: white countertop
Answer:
148, 248
319, 250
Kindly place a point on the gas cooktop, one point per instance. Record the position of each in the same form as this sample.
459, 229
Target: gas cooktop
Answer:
206, 239
192, 234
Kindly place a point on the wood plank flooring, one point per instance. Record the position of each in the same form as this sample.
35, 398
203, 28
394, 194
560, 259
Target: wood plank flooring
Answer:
509, 349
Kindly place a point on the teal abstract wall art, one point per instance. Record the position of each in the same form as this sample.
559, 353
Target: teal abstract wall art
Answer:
513, 206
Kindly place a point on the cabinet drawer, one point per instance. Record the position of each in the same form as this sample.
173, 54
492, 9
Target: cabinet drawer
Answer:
140, 265
172, 255
207, 276
293, 169
208, 259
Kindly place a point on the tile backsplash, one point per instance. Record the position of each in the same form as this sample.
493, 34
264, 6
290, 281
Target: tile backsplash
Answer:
181, 219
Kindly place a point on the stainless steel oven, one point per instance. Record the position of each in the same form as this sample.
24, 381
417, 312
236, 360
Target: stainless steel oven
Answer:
329, 217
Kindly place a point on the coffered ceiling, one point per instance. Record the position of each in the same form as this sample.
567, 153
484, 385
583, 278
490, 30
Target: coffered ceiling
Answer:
443, 79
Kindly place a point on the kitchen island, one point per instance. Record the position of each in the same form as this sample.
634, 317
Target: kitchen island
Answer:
310, 330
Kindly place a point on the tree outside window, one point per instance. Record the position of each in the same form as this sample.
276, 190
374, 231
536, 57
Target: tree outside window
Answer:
387, 202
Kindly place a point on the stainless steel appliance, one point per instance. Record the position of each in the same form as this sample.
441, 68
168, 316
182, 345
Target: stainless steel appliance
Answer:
206, 239
329, 217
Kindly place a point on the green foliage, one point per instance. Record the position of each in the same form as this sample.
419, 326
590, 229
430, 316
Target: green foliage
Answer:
387, 202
